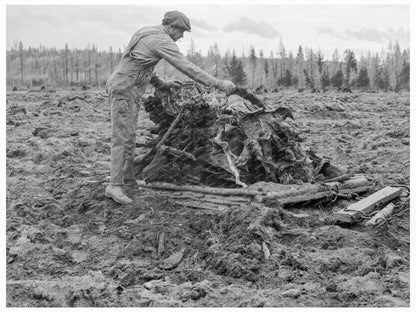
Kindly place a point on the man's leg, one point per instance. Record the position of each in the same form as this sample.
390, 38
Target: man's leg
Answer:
120, 133
130, 149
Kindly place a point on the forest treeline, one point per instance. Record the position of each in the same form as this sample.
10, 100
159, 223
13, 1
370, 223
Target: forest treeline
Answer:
387, 70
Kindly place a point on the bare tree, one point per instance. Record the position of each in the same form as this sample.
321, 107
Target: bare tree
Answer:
89, 62
253, 61
282, 54
21, 61
66, 62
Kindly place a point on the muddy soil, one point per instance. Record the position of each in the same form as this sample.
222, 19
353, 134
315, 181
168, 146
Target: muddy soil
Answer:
70, 246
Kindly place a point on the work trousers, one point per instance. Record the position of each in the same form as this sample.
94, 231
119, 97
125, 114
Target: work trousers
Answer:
125, 104
124, 113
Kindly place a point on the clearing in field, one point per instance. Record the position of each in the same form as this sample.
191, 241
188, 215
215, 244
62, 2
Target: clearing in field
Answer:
69, 245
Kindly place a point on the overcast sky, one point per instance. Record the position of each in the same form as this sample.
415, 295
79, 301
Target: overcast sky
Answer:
361, 28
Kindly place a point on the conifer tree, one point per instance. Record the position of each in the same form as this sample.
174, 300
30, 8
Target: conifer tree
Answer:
362, 80
236, 72
351, 65
325, 81
282, 54
404, 76
299, 63
338, 79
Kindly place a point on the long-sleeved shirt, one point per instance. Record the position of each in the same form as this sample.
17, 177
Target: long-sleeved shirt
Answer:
150, 49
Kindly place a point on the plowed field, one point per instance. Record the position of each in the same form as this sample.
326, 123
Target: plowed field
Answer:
69, 245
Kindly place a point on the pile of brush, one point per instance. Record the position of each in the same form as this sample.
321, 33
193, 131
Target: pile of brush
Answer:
201, 142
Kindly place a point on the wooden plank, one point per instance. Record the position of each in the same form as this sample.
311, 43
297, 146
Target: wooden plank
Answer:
376, 199
367, 205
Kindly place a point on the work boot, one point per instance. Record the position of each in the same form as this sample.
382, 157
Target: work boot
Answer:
117, 194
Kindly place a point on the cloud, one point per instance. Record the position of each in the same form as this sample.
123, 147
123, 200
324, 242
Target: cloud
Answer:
327, 31
367, 34
246, 25
399, 34
202, 24
53, 25
26, 17
333, 33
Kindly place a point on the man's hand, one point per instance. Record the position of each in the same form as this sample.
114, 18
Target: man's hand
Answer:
173, 84
227, 86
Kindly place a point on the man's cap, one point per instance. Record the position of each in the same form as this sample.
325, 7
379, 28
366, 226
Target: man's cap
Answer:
177, 19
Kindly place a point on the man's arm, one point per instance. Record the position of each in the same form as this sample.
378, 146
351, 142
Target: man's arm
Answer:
169, 51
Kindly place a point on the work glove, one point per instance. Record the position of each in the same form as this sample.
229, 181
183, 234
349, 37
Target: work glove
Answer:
173, 84
227, 86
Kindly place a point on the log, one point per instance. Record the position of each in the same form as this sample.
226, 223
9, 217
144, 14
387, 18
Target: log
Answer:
341, 178
153, 167
303, 198
200, 189
202, 198
306, 193
219, 199
286, 194
365, 206
200, 205
175, 152
359, 183
380, 216
320, 195
356, 190
295, 190
171, 127
353, 182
